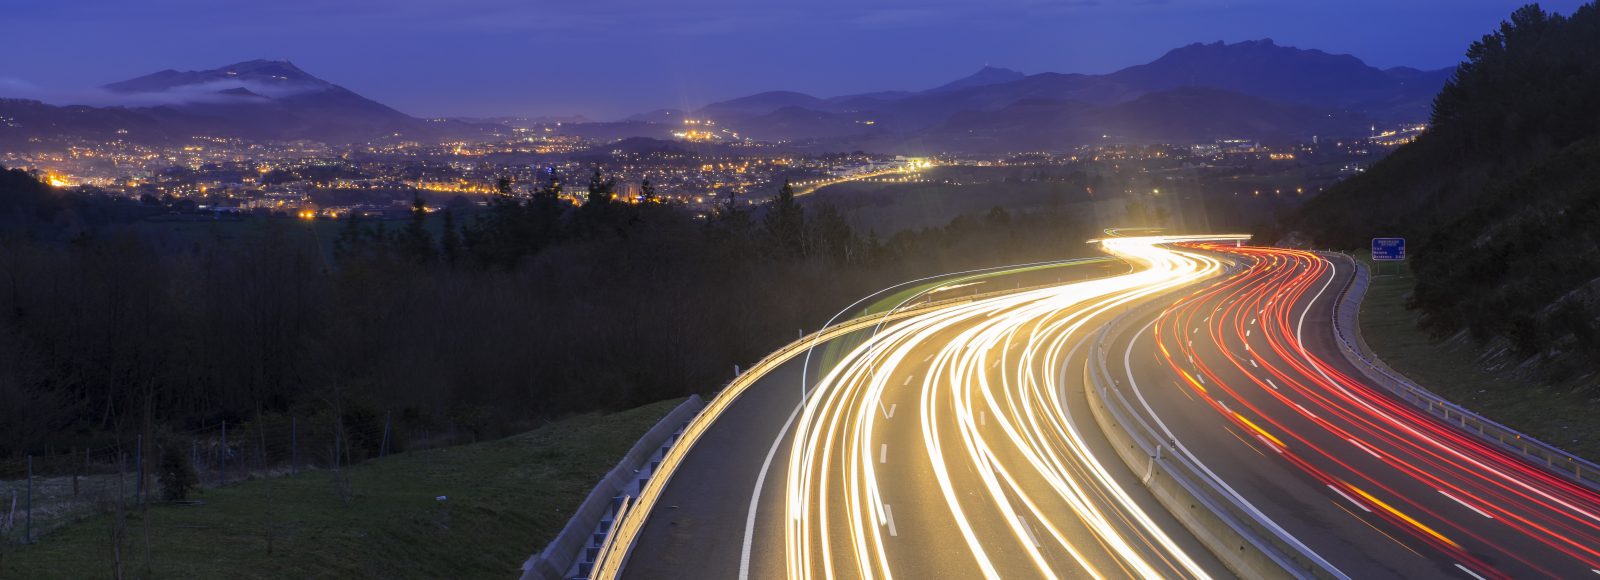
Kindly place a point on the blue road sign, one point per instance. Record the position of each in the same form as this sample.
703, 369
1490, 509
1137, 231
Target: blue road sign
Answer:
1392, 249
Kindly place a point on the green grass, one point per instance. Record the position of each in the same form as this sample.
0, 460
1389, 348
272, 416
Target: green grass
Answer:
1454, 370
506, 499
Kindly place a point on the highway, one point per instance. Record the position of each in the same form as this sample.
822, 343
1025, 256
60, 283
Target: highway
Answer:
1244, 376
955, 443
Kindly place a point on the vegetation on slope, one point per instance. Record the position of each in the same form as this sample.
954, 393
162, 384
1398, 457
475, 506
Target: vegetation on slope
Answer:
1500, 197
475, 511
527, 310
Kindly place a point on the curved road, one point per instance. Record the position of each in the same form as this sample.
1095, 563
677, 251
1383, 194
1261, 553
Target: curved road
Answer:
957, 443
953, 444
1245, 375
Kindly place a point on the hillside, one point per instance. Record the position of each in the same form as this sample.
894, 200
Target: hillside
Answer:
1311, 77
1255, 89
258, 99
1500, 198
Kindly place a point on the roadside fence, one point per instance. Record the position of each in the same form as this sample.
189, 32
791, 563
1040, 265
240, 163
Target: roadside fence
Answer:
39, 493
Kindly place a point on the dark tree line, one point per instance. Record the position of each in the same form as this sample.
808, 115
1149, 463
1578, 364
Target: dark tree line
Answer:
486, 319
1501, 196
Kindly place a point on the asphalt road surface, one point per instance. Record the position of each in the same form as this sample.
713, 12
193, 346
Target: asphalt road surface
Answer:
1245, 376
957, 443
954, 444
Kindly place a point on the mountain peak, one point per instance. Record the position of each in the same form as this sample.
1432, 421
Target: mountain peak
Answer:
1260, 67
267, 67
988, 75
269, 72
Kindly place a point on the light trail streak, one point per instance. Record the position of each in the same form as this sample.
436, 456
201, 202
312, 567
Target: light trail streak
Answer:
1378, 453
1012, 473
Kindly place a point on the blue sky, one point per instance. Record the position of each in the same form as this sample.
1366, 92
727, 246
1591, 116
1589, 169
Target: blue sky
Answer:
608, 58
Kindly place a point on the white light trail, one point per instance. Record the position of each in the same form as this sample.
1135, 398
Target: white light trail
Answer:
1041, 490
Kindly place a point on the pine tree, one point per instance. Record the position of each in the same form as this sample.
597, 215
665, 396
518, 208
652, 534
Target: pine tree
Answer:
830, 235
450, 238
647, 191
600, 190
552, 189
416, 243
785, 224
350, 236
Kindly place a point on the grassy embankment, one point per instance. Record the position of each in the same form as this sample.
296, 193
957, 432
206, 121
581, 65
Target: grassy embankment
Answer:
505, 499
1453, 369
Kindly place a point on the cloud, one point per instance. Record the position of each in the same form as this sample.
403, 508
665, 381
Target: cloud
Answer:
200, 93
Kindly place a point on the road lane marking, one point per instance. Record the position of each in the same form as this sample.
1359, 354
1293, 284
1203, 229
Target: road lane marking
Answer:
889, 414
1347, 497
1246, 444
996, 363
1375, 529
1247, 332
1469, 572
1468, 505
927, 358
983, 418
883, 453
1029, 529
1272, 384
888, 519
1306, 411
1369, 450
1252, 322
906, 382
755, 496
1253, 363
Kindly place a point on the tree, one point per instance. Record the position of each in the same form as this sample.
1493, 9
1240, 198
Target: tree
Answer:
350, 236
832, 236
503, 185
415, 242
551, 191
647, 191
176, 473
450, 238
601, 190
999, 217
785, 225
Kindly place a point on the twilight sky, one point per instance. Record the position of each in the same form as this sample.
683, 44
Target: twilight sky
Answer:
610, 58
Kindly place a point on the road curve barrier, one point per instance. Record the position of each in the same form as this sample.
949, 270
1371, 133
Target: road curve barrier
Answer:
1347, 327
608, 499
1236, 534
615, 553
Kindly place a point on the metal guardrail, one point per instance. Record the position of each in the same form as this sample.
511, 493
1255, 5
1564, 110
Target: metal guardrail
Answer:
612, 562
587, 533
1347, 328
1249, 530
611, 535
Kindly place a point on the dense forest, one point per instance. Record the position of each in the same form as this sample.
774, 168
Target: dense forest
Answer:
1500, 197
486, 319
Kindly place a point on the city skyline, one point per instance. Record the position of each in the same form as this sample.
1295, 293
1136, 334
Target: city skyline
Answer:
492, 58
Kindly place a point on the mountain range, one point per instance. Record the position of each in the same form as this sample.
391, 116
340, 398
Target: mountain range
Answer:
258, 99
1253, 89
